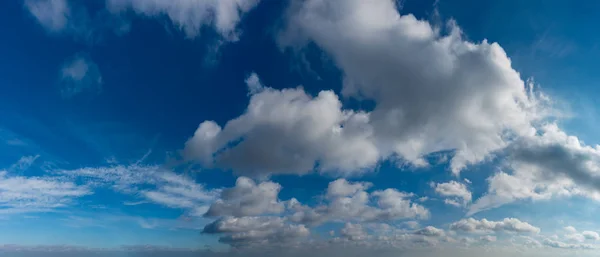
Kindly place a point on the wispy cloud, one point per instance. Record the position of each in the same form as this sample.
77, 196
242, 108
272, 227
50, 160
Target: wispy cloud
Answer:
36, 194
80, 74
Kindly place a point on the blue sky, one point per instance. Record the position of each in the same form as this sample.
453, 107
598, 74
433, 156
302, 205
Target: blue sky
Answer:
238, 127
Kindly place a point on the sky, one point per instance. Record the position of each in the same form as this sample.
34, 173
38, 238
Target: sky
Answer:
299, 127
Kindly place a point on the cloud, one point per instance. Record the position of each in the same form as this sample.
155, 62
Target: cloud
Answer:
432, 92
249, 231
453, 189
247, 199
72, 18
192, 16
550, 164
559, 244
23, 164
471, 225
254, 84
37, 194
591, 235
53, 15
348, 201
353, 232
154, 183
80, 74
488, 238
431, 231
287, 132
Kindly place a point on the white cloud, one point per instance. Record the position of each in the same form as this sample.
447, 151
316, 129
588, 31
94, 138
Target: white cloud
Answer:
254, 84
190, 15
432, 92
348, 201
550, 164
431, 231
559, 244
155, 184
80, 74
591, 235
37, 194
247, 198
488, 238
570, 229
51, 14
23, 163
453, 189
287, 131
249, 231
353, 232
471, 225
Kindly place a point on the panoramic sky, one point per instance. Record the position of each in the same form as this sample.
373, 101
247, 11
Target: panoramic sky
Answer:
299, 128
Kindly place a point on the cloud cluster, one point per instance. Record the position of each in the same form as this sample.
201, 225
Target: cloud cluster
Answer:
253, 231
287, 132
348, 201
192, 16
544, 166
471, 225
432, 92
247, 198
458, 193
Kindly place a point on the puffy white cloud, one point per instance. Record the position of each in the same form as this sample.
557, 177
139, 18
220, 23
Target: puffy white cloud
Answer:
432, 92
430, 231
353, 232
543, 166
192, 15
348, 201
471, 225
488, 238
287, 131
570, 229
250, 231
37, 194
80, 74
453, 189
591, 235
247, 198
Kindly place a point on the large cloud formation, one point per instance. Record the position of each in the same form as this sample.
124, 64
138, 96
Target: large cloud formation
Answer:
432, 92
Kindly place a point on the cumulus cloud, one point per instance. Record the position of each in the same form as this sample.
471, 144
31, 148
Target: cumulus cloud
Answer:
432, 92
430, 231
453, 189
287, 132
471, 225
192, 16
348, 201
80, 74
250, 231
353, 232
247, 198
541, 167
